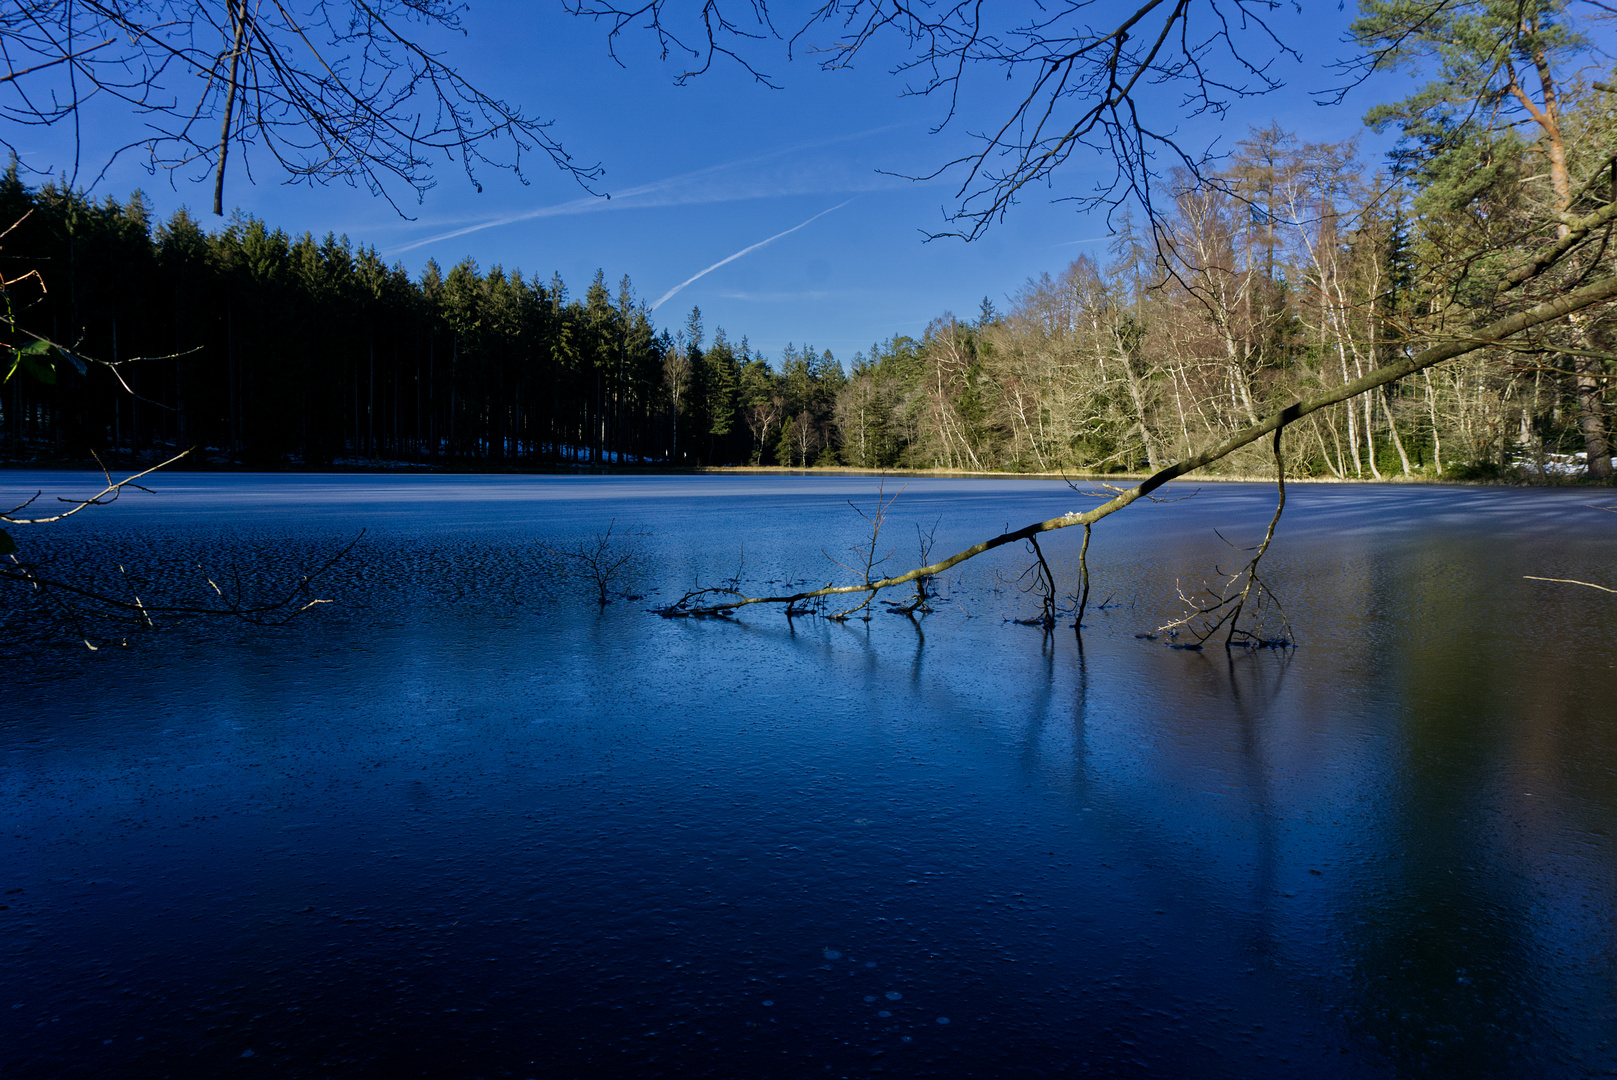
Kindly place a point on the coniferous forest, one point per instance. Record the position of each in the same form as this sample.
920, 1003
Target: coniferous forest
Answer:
1296, 268
264, 348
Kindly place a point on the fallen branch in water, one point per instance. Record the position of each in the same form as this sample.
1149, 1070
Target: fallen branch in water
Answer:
1041, 580
865, 553
729, 601
1224, 608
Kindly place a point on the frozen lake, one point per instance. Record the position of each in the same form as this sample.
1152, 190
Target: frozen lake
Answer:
464, 822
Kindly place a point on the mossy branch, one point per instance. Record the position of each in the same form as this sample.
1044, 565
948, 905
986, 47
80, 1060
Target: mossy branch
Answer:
1576, 300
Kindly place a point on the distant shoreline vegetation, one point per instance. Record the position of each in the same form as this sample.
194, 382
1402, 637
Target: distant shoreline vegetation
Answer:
270, 352
1516, 475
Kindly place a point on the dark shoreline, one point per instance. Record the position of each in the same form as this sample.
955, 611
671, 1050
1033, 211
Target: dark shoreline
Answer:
125, 463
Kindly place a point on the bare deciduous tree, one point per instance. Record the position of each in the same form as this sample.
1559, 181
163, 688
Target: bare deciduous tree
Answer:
1088, 80
330, 90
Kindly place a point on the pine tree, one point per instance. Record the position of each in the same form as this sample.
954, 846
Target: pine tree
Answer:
1497, 77
721, 377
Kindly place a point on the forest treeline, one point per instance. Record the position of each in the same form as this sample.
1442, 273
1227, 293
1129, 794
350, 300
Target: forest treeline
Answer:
1295, 268
265, 348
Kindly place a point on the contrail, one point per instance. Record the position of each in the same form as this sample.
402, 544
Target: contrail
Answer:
585, 205
637, 196
744, 251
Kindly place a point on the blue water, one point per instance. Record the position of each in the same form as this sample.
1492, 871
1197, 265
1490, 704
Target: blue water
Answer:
463, 821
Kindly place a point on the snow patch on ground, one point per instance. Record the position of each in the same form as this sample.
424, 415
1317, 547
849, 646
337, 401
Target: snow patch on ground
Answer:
1572, 465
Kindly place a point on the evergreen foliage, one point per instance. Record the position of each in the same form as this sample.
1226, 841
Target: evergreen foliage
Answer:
269, 349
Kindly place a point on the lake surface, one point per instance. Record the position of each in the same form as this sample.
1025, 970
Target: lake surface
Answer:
465, 822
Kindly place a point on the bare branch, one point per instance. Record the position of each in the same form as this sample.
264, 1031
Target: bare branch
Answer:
88, 610
1548, 311
103, 497
339, 91
1568, 581
601, 560
1224, 608
1082, 86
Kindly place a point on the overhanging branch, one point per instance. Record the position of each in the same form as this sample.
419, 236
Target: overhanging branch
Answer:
1594, 293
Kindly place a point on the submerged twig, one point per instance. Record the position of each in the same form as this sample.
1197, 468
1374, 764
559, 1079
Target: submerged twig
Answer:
1041, 580
1568, 581
86, 610
1222, 609
865, 552
1083, 582
602, 561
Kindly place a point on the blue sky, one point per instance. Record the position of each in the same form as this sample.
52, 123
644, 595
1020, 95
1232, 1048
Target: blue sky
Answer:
703, 172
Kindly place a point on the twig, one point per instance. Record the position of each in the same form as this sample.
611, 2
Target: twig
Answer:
1568, 581
103, 497
602, 563
1083, 578
1225, 607
54, 592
